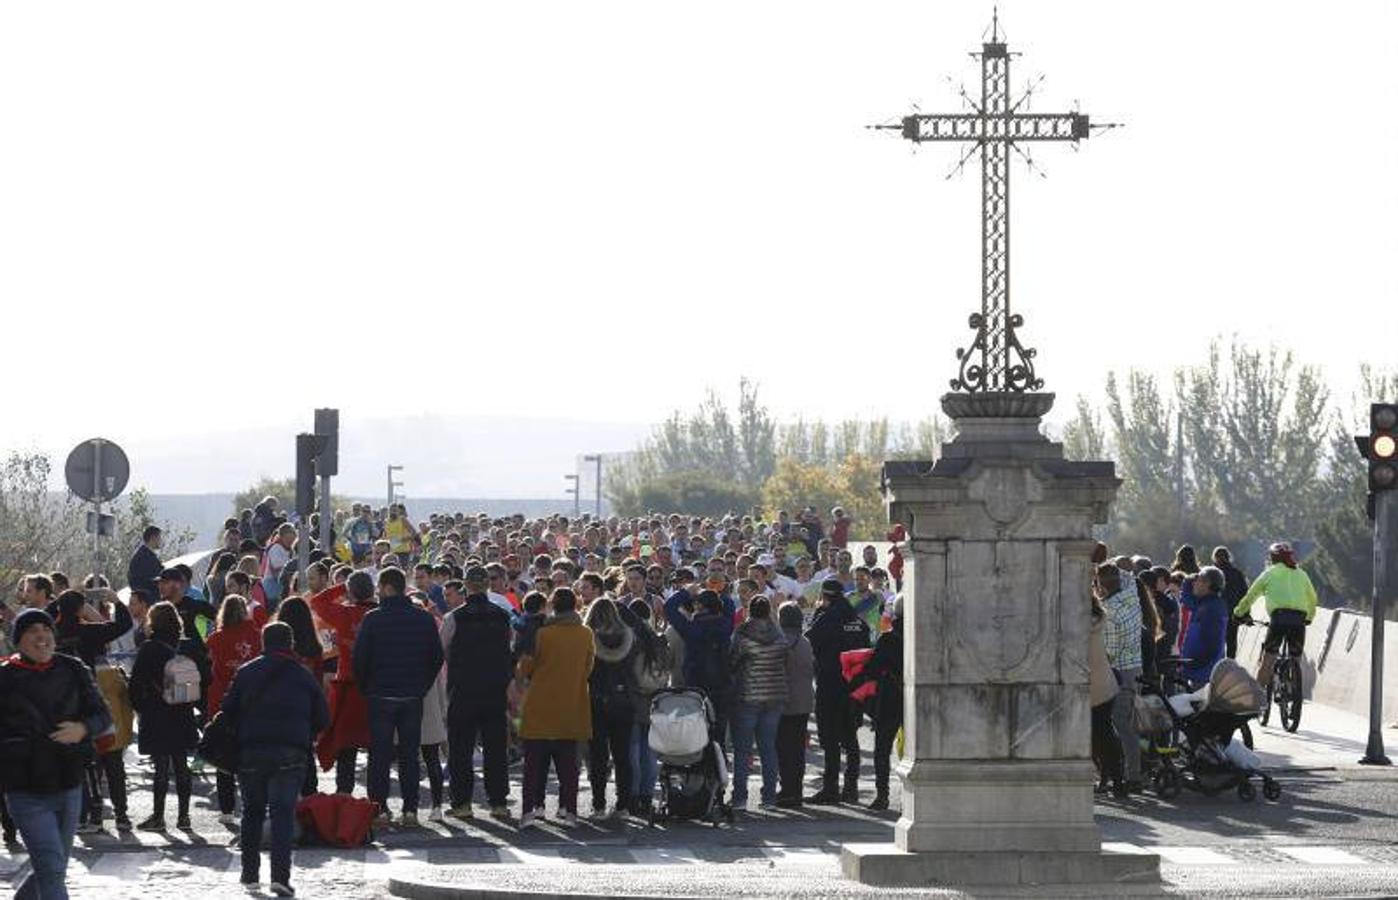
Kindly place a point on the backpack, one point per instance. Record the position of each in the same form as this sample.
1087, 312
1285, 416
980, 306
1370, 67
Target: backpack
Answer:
182, 681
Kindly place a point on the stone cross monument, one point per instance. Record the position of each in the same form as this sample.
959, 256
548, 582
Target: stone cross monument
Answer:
997, 777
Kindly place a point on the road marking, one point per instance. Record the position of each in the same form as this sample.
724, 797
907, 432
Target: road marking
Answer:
543, 857
1122, 847
1192, 856
1322, 856
662, 856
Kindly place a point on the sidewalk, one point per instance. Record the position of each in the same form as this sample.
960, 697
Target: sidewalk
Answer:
1328, 739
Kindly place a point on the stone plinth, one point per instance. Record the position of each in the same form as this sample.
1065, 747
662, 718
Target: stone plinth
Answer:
997, 777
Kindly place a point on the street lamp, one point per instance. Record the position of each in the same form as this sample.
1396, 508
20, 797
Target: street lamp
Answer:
577, 508
391, 483
597, 458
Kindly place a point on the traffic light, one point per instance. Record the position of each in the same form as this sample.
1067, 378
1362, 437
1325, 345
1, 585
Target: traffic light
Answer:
308, 447
328, 427
1383, 447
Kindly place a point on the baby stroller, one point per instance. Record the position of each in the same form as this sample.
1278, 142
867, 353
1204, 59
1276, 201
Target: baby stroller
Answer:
693, 776
1189, 735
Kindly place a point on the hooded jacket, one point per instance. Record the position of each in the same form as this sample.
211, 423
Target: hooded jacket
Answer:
758, 659
614, 644
800, 674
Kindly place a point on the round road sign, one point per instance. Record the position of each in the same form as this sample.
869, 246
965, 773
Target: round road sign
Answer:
97, 470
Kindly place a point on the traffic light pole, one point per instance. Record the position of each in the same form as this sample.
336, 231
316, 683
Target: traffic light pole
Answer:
1385, 584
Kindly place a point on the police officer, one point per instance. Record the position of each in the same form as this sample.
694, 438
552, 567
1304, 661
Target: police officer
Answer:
835, 629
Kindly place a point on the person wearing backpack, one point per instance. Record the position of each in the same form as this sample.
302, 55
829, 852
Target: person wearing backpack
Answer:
651, 666
165, 685
835, 629
278, 708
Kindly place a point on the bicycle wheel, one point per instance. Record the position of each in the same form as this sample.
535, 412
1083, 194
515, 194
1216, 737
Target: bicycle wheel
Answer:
1267, 702
1290, 708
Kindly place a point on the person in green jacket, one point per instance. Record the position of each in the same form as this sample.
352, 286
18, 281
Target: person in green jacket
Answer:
1291, 602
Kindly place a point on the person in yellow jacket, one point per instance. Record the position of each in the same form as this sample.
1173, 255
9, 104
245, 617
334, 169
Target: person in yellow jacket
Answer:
1291, 602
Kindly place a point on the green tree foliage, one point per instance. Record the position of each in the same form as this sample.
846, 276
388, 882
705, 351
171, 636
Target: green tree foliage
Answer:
696, 492
1084, 438
38, 527
284, 489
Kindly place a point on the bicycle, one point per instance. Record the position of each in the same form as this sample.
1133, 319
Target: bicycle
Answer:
1285, 690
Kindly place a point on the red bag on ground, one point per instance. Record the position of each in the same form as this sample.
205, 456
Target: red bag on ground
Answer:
852, 663
338, 819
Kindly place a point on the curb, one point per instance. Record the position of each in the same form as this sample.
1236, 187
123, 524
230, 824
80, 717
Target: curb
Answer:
423, 890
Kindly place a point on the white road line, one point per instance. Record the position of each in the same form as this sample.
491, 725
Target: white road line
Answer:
1122, 847
1322, 856
665, 857
1192, 856
543, 857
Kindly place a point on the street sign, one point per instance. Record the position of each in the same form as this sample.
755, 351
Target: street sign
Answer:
97, 470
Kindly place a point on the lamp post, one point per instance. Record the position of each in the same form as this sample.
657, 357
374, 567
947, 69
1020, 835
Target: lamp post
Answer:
577, 501
391, 483
597, 458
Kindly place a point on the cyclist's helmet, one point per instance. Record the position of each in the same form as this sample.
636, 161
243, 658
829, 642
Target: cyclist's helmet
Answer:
1282, 552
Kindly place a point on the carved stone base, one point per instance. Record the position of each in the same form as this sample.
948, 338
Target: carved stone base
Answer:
884, 865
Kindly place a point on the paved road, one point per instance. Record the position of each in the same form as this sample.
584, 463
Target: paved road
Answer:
1327, 836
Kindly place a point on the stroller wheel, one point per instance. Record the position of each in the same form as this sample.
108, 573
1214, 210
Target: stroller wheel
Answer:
1246, 792
1271, 789
1167, 784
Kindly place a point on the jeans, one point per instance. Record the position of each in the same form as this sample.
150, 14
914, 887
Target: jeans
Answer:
537, 756
644, 766
390, 717
269, 779
47, 822
184, 782
610, 748
465, 723
791, 754
432, 765
1124, 718
759, 720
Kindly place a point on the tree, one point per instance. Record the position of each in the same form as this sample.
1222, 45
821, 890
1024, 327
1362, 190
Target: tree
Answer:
854, 484
284, 489
38, 528
1084, 438
698, 493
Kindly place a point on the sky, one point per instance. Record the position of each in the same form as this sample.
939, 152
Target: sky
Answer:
217, 217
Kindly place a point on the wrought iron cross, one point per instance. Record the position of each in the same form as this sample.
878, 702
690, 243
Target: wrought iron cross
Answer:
996, 361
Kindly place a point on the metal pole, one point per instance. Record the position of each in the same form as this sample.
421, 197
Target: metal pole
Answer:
390, 486
303, 555
1385, 583
599, 486
325, 514
97, 506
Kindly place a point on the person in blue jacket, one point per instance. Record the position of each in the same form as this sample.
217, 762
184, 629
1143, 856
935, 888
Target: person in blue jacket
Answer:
705, 623
1208, 623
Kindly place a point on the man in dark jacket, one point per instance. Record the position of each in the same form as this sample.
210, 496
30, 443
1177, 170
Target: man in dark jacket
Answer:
835, 629
885, 668
476, 637
50, 712
145, 563
397, 655
279, 709
706, 628
1235, 588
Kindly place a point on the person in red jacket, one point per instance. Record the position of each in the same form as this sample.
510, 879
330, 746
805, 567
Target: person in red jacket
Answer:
342, 609
236, 640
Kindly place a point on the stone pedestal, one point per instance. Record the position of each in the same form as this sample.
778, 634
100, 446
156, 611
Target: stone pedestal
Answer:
997, 775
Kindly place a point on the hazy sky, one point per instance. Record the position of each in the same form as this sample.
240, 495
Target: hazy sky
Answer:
217, 216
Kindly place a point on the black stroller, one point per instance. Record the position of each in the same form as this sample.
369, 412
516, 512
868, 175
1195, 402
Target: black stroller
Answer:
693, 775
1189, 735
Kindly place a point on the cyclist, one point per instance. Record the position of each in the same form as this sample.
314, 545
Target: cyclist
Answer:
1291, 602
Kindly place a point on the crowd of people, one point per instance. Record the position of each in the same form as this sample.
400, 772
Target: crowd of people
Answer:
1158, 627
539, 641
